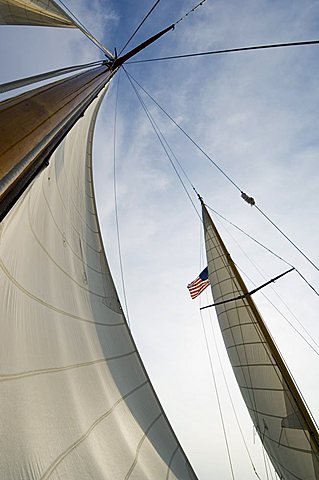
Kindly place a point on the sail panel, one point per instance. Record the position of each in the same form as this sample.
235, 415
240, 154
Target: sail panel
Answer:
76, 400
271, 403
33, 12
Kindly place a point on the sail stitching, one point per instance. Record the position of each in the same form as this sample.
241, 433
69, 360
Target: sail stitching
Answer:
74, 205
68, 215
52, 259
61, 232
52, 307
74, 445
222, 258
17, 376
139, 446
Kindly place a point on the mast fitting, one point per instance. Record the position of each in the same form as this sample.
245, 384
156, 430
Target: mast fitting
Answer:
247, 198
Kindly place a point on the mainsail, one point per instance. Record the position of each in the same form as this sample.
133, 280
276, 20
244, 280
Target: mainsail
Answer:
33, 12
282, 420
76, 400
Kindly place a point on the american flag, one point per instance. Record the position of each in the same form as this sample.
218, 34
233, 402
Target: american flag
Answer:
199, 284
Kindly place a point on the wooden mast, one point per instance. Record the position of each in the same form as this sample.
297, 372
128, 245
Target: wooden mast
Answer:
34, 123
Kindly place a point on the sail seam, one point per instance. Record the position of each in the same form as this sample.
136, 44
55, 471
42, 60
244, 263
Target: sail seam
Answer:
66, 240
246, 387
170, 462
221, 257
276, 461
139, 446
244, 344
67, 181
233, 284
52, 259
47, 474
73, 226
68, 215
42, 371
52, 307
296, 449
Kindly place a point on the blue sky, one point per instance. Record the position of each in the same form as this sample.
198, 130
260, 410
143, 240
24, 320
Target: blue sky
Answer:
256, 114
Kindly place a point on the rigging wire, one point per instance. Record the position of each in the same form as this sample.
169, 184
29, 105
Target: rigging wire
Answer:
264, 457
190, 11
217, 396
263, 246
229, 50
139, 26
115, 201
222, 171
172, 163
167, 147
174, 24
162, 140
230, 397
287, 238
86, 32
247, 235
271, 303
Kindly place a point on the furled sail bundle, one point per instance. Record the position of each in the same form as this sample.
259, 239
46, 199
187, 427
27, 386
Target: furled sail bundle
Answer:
33, 12
282, 420
76, 401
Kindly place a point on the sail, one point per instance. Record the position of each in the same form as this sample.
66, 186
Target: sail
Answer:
33, 12
279, 415
76, 401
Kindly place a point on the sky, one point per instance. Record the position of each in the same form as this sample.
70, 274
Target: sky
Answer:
256, 115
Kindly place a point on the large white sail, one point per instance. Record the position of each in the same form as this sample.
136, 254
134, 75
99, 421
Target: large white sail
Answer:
76, 401
33, 12
283, 423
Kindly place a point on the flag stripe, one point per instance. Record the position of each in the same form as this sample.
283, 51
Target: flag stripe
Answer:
197, 287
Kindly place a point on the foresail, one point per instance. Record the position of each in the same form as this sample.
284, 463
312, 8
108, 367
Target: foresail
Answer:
76, 401
33, 12
284, 426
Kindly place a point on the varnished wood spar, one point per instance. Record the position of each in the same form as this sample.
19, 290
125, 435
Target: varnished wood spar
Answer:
32, 125
25, 120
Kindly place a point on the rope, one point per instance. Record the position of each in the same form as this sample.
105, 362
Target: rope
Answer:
287, 238
115, 202
230, 50
139, 26
162, 140
265, 464
249, 236
185, 133
86, 32
266, 248
230, 398
223, 172
218, 399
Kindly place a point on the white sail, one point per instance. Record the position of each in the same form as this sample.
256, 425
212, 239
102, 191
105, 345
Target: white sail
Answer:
285, 429
76, 401
33, 12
